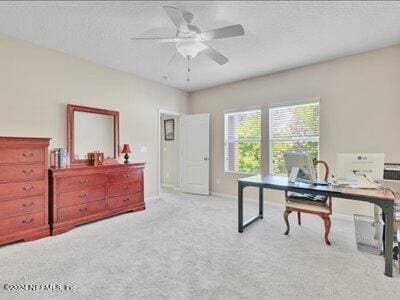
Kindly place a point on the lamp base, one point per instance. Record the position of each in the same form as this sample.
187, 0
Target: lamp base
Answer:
126, 156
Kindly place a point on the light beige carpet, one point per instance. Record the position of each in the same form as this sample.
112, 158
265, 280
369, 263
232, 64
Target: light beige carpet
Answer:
186, 246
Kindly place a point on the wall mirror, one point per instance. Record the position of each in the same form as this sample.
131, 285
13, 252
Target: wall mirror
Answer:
92, 129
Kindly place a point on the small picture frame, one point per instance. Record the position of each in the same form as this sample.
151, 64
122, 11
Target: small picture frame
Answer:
169, 129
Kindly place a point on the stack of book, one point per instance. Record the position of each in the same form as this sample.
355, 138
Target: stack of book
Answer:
60, 158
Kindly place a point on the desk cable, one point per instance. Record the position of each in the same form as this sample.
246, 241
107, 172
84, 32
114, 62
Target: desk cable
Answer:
375, 183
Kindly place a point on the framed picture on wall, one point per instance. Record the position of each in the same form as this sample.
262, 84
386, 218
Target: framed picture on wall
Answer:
169, 129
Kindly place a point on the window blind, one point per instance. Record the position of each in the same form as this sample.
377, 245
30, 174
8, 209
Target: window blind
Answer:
293, 128
243, 141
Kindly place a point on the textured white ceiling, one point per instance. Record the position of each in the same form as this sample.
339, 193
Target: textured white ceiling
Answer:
279, 35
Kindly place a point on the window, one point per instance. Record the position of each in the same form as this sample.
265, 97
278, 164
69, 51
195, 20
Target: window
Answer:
293, 128
243, 141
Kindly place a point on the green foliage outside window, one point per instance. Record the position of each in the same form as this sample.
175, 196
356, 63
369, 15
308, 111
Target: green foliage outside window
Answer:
249, 133
294, 129
299, 122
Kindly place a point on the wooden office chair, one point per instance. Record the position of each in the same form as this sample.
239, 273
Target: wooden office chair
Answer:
320, 205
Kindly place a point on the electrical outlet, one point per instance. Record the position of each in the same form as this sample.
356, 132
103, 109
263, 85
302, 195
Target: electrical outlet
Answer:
143, 149
218, 181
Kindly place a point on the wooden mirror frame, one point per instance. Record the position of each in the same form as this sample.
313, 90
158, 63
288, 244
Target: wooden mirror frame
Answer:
71, 109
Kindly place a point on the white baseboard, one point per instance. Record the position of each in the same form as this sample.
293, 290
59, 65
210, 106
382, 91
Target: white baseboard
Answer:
224, 195
282, 205
171, 186
152, 198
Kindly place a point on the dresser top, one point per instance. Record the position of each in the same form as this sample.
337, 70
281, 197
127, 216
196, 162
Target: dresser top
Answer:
95, 169
23, 138
22, 141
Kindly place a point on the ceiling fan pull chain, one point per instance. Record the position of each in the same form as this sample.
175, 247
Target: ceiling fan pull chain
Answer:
188, 68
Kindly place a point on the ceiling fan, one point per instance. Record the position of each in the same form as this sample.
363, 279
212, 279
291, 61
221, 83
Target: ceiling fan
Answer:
191, 40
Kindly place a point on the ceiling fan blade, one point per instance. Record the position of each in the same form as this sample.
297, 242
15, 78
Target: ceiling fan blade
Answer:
224, 32
160, 39
176, 17
214, 55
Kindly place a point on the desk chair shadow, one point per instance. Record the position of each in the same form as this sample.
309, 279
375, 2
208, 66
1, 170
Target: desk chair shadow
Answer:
309, 204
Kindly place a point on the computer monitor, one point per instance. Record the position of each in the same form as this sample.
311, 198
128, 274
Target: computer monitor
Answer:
303, 161
360, 168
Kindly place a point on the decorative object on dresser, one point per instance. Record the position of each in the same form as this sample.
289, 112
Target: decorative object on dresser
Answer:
23, 189
96, 158
82, 194
126, 149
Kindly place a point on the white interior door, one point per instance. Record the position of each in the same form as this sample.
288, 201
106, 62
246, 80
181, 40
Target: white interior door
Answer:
195, 172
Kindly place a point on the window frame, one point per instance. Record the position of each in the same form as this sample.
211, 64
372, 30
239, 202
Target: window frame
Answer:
304, 139
240, 111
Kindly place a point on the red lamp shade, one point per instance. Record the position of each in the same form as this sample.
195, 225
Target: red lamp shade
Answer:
126, 149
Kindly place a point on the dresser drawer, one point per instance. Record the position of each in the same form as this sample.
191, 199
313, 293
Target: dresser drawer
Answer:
79, 182
81, 196
22, 172
22, 223
22, 189
21, 155
124, 200
128, 176
21, 206
124, 188
79, 211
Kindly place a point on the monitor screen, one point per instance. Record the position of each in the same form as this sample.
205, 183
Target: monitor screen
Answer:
304, 162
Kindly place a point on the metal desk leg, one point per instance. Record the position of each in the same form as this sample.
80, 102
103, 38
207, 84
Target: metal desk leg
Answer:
242, 225
388, 210
261, 203
240, 206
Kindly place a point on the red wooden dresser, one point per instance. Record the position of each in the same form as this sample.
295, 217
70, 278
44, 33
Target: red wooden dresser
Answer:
82, 194
23, 189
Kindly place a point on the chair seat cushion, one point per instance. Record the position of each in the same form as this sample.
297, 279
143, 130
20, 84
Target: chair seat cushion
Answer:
308, 199
309, 207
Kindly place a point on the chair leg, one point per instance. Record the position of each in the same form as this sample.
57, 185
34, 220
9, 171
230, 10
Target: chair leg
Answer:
299, 218
286, 218
327, 223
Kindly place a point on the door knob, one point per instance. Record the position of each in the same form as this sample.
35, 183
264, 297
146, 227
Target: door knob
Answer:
205, 158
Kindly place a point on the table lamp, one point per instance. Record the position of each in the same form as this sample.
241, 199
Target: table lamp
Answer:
126, 149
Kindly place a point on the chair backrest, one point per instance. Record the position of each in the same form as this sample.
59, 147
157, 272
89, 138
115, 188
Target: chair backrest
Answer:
326, 167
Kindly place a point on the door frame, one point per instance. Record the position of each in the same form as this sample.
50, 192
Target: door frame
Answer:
173, 113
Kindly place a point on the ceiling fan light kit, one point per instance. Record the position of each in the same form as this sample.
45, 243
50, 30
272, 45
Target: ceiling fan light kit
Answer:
191, 40
189, 47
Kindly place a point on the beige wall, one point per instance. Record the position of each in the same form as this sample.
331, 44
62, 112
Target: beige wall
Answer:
170, 164
359, 111
36, 84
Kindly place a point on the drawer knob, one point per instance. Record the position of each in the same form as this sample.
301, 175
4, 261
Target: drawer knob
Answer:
126, 200
28, 205
125, 188
126, 175
27, 171
83, 195
27, 155
83, 181
28, 188
83, 209
27, 222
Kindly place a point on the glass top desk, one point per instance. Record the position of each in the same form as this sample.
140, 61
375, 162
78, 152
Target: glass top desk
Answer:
384, 199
